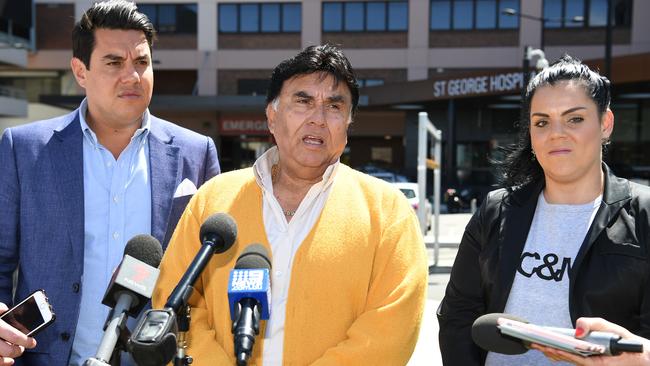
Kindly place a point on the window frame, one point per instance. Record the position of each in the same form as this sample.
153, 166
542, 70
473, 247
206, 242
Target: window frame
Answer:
176, 6
474, 21
374, 81
565, 23
260, 18
364, 18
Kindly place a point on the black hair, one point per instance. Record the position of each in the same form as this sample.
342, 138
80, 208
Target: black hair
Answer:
520, 166
111, 14
325, 58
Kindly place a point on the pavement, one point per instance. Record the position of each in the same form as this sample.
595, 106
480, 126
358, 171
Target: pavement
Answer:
452, 226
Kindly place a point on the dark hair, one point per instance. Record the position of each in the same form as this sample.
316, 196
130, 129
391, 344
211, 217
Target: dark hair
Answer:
324, 58
520, 166
111, 14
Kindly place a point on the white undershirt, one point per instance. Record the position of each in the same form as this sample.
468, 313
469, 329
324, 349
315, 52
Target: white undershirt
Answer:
285, 239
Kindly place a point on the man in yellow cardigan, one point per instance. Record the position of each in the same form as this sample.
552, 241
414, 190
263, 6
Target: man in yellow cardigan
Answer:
349, 272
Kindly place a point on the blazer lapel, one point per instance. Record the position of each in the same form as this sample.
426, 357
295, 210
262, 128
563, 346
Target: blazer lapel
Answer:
163, 162
66, 151
512, 238
616, 193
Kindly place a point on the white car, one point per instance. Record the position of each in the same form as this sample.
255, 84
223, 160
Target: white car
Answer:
410, 190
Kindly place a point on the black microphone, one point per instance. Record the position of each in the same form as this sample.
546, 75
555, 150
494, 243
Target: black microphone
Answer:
154, 340
505, 333
249, 291
129, 291
487, 335
217, 234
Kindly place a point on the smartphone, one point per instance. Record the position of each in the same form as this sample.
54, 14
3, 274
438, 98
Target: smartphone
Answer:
31, 315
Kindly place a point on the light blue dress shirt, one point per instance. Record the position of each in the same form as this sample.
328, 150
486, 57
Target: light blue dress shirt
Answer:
117, 206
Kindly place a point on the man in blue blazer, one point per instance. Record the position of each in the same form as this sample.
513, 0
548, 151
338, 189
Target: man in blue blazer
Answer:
76, 188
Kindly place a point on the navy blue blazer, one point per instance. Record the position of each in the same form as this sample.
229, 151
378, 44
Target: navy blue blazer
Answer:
42, 213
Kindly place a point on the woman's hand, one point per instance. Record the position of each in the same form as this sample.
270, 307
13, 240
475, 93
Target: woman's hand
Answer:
586, 325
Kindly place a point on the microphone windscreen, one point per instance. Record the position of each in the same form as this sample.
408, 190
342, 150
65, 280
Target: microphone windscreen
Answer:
255, 256
145, 248
487, 335
219, 226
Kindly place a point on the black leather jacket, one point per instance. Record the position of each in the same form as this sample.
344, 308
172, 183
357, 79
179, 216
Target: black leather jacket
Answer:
609, 278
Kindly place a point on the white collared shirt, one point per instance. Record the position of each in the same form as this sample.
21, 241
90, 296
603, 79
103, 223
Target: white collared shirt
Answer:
285, 239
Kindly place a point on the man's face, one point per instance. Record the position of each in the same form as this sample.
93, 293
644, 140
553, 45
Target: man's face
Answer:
119, 81
311, 121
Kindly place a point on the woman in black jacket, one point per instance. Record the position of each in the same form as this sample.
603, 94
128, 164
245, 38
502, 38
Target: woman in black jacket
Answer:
565, 239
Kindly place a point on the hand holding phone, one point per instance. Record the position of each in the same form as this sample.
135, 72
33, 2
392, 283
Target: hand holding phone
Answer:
14, 343
19, 323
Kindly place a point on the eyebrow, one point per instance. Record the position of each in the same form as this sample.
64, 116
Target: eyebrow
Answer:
336, 98
113, 57
570, 110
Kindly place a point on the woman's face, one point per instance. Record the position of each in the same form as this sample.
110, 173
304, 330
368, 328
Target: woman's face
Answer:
566, 132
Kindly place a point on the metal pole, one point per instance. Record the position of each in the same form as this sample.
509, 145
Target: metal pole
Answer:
526, 78
436, 197
425, 127
542, 39
422, 168
608, 41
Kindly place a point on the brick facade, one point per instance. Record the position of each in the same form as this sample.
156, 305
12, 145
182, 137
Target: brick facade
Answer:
584, 36
179, 82
259, 41
227, 79
175, 42
54, 23
366, 39
474, 38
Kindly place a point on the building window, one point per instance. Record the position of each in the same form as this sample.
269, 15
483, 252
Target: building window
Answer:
365, 16
171, 18
260, 18
369, 82
472, 14
252, 86
593, 13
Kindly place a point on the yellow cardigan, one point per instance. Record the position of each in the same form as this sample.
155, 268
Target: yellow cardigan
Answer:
358, 281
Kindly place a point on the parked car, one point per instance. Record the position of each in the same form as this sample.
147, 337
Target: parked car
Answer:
410, 190
387, 176
382, 173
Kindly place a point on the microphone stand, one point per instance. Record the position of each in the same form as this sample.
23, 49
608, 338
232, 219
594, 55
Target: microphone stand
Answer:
116, 341
183, 321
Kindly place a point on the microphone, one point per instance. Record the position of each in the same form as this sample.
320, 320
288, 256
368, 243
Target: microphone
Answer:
129, 291
249, 291
154, 340
217, 234
510, 335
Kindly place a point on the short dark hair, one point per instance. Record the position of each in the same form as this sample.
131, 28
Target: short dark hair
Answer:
111, 14
323, 58
520, 165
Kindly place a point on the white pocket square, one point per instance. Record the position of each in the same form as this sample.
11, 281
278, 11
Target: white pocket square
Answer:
186, 188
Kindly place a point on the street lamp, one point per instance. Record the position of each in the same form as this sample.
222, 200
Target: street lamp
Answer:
542, 62
576, 19
529, 52
513, 12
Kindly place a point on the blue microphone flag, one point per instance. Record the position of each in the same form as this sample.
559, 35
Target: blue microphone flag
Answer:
250, 283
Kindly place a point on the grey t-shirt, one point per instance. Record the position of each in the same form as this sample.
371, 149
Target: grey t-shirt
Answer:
540, 291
